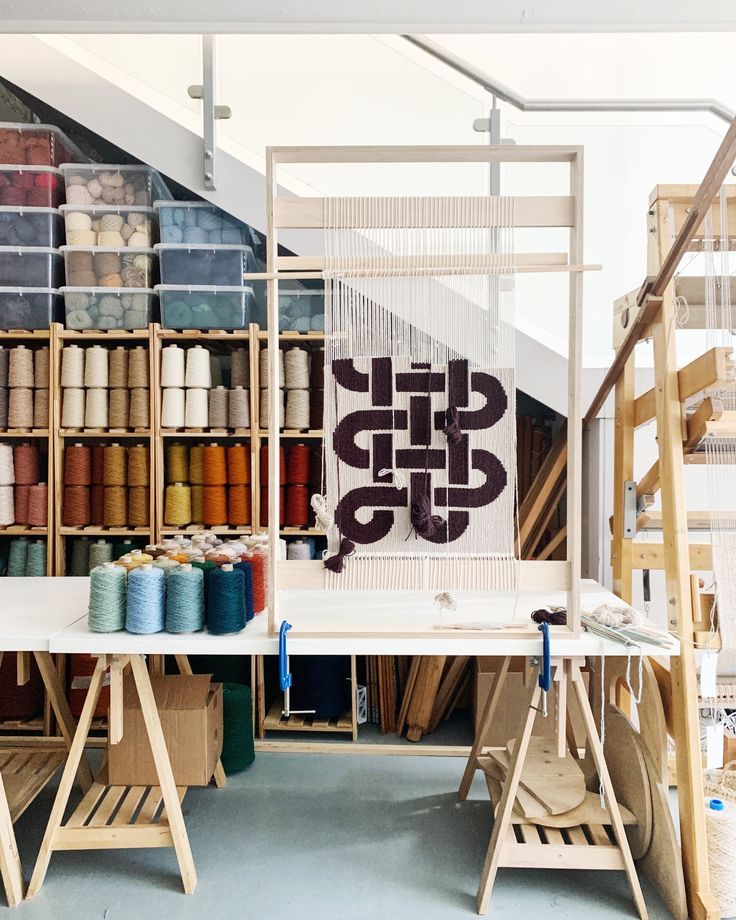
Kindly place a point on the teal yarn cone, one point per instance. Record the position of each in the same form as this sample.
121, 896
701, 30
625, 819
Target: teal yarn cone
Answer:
247, 570
185, 600
225, 601
18, 558
238, 749
145, 612
107, 598
36, 560
80, 557
120, 549
100, 552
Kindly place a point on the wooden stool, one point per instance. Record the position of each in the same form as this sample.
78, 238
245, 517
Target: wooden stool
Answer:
517, 843
139, 821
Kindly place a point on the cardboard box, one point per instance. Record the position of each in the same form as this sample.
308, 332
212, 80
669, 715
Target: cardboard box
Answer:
190, 708
511, 707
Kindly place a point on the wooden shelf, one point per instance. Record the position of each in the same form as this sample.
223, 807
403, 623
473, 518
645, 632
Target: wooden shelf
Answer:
39, 335
292, 433
34, 724
222, 335
22, 530
22, 433
301, 532
190, 529
108, 434
243, 433
25, 773
276, 722
105, 532
105, 335
291, 336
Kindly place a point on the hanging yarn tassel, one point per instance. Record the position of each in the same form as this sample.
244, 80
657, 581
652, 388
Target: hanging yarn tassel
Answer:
324, 519
145, 611
185, 600
336, 563
225, 600
452, 430
107, 598
555, 617
425, 523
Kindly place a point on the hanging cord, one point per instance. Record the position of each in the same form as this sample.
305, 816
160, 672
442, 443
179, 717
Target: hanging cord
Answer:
601, 785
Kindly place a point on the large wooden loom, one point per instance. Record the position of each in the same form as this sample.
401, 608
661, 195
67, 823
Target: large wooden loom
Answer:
285, 213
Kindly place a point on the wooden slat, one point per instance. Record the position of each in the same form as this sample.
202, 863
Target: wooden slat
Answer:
521, 259
477, 153
549, 211
132, 800
651, 555
113, 838
113, 797
150, 807
87, 805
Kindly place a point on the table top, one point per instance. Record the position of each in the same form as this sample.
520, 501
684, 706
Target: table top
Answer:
33, 610
386, 628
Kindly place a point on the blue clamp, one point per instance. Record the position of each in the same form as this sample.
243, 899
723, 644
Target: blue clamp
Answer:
545, 671
284, 674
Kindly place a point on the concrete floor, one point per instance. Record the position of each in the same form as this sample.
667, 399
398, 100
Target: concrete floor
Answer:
324, 837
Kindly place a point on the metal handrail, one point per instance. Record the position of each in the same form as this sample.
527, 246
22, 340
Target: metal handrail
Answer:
500, 91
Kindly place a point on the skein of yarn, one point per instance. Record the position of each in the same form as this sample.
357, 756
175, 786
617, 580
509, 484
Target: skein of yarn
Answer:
18, 557
107, 598
115, 507
76, 507
145, 607
138, 506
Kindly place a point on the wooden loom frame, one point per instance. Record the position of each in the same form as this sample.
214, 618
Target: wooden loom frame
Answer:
547, 211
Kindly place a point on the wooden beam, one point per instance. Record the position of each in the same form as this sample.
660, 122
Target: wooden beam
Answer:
553, 544
647, 554
545, 482
710, 410
649, 482
623, 470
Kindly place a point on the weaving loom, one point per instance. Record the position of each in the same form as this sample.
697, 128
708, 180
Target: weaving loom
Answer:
420, 382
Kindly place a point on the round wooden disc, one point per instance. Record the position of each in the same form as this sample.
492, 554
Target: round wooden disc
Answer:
628, 770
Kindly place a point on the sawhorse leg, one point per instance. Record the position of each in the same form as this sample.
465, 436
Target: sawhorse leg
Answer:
10, 869
489, 711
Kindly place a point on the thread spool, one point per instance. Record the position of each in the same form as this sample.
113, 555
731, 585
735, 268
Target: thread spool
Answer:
80, 557
297, 409
119, 413
178, 505
100, 552
238, 465
316, 410
77, 465
7, 465
118, 368
36, 562
114, 465
238, 506
265, 507
96, 367
259, 561
239, 368
215, 506
4, 401
97, 505
264, 412
7, 506
296, 369
196, 464
225, 600
96, 463
138, 368
145, 608
38, 505
316, 477
108, 592
198, 373
95, 409
263, 463
216, 370
298, 549
72, 408
116, 506
20, 407
18, 557
317, 370
246, 567
41, 368
172, 366
165, 564
214, 465
20, 504
76, 509
177, 463
139, 409
263, 368
138, 506
72, 366
197, 499
297, 506
297, 465
20, 367
4, 361
138, 465
195, 411
238, 410
218, 408
41, 409
185, 600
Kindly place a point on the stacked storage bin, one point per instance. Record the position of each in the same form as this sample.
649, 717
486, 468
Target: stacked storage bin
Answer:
203, 254
110, 262
31, 228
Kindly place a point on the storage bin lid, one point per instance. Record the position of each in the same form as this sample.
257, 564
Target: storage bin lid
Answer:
28, 290
125, 250
24, 128
200, 246
22, 209
202, 288
21, 167
106, 290
31, 250
166, 203
108, 209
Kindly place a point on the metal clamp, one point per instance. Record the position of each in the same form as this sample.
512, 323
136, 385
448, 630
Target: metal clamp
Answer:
211, 113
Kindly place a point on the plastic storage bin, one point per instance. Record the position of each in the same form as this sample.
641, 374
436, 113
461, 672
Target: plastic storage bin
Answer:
204, 266
199, 223
23, 266
109, 226
102, 266
27, 308
37, 145
201, 307
31, 227
107, 308
31, 186
100, 183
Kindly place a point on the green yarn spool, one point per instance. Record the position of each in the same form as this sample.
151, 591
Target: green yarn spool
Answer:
36, 560
80, 557
120, 549
18, 558
238, 748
